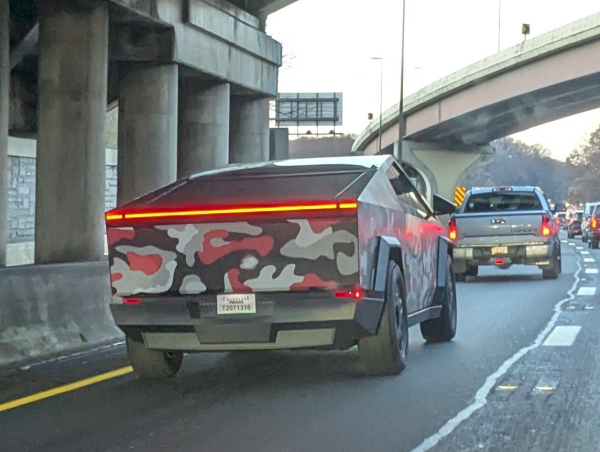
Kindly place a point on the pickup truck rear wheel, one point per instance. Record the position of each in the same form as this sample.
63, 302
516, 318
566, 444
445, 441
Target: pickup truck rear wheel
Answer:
385, 353
473, 270
152, 365
594, 243
555, 270
443, 329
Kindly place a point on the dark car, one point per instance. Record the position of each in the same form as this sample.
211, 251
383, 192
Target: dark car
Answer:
561, 219
574, 224
314, 253
593, 230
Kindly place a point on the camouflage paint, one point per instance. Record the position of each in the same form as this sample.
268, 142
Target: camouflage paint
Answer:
381, 214
297, 254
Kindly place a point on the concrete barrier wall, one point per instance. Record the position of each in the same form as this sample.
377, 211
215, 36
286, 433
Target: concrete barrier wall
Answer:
47, 309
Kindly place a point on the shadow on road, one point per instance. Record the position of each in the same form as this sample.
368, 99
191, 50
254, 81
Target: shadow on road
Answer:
502, 278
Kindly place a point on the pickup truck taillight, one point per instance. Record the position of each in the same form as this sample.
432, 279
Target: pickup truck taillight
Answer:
452, 231
594, 223
546, 226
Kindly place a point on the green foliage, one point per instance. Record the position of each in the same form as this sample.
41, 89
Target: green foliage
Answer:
517, 163
584, 165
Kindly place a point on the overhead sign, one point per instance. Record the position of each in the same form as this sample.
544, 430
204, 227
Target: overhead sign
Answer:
308, 109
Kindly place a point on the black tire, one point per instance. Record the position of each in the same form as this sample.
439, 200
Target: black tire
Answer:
554, 271
460, 277
594, 243
570, 235
152, 365
473, 270
583, 238
385, 353
443, 329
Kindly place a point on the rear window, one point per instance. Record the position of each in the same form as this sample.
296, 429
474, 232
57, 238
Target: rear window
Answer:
578, 215
502, 202
235, 187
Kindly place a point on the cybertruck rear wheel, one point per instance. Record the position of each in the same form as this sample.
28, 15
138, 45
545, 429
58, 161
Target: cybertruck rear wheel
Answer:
385, 353
152, 365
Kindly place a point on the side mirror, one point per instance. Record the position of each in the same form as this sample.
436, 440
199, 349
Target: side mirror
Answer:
441, 206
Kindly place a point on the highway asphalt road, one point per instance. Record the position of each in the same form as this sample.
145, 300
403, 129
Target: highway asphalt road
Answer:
496, 387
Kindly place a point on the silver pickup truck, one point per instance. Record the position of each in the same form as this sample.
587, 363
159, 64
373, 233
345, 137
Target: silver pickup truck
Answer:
503, 226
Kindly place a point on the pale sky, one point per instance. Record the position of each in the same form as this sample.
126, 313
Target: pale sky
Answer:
328, 46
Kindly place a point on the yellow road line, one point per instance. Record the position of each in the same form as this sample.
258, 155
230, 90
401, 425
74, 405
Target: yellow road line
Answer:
66, 388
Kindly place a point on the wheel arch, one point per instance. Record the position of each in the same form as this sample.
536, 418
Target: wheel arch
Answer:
388, 249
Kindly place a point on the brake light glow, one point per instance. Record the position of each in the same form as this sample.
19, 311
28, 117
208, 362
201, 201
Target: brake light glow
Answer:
345, 205
499, 262
452, 231
594, 223
132, 300
356, 293
546, 229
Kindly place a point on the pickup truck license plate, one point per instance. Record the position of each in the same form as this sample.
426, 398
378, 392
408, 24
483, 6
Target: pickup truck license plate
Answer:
499, 250
236, 304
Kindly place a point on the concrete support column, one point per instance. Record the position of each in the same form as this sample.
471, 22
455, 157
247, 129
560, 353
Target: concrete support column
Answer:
147, 129
73, 55
4, 100
203, 133
444, 167
249, 130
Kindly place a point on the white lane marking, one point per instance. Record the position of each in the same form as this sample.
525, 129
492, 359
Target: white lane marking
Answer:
562, 336
491, 381
591, 270
563, 241
579, 247
589, 259
586, 291
585, 252
571, 244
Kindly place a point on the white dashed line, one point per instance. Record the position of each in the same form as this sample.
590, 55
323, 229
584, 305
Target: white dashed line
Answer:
586, 291
585, 252
563, 241
579, 247
591, 270
571, 244
589, 259
562, 336
491, 381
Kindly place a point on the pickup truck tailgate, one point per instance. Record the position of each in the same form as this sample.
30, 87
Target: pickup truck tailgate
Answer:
501, 225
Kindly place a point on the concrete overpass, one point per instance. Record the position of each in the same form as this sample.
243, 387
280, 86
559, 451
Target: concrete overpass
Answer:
192, 80
450, 122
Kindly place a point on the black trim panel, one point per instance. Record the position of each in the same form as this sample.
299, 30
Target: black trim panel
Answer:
433, 312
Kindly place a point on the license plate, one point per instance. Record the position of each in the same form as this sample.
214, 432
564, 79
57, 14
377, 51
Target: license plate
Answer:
236, 304
499, 250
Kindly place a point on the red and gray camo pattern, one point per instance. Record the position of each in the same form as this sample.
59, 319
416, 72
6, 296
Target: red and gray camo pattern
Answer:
185, 259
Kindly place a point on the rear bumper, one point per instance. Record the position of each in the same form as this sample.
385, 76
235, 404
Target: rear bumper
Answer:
282, 321
530, 254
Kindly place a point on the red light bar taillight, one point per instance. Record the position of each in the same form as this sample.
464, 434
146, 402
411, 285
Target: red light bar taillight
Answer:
356, 293
308, 207
594, 223
132, 300
452, 230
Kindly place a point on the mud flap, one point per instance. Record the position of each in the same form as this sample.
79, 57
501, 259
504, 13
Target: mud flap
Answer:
444, 245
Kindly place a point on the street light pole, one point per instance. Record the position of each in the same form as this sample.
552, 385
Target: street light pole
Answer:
380, 59
499, 21
401, 124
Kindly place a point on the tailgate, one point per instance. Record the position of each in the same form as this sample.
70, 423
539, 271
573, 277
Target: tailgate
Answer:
290, 254
499, 224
